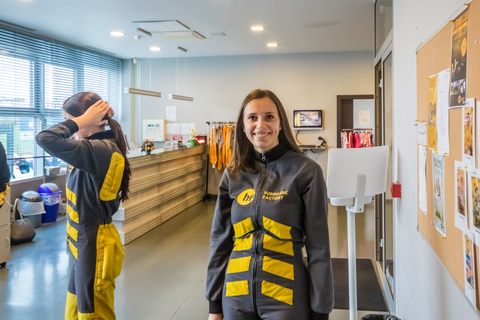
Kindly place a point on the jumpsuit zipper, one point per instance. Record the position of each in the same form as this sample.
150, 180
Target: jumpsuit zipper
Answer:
256, 237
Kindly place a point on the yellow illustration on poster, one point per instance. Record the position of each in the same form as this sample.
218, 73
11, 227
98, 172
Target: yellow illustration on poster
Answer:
438, 193
461, 196
432, 112
469, 267
468, 132
474, 202
458, 82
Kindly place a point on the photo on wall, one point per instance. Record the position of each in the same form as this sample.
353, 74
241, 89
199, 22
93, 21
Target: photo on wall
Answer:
432, 112
438, 165
469, 267
468, 133
461, 221
474, 202
458, 82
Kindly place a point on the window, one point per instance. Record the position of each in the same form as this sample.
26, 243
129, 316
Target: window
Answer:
36, 76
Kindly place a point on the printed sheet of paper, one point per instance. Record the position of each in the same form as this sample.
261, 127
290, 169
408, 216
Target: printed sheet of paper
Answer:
187, 127
474, 202
171, 113
422, 134
468, 133
458, 82
173, 128
469, 267
438, 165
432, 112
422, 179
443, 144
461, 221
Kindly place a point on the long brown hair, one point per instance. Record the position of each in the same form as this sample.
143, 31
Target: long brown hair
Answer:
76, 105
242, 148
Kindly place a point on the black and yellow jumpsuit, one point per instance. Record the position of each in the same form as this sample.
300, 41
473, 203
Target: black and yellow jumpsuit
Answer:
94, 175
4, 175
262, 221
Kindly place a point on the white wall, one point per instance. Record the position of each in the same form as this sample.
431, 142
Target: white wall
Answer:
219, 85
425, 290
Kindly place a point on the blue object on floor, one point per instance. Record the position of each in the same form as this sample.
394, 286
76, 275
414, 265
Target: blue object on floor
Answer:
51, 195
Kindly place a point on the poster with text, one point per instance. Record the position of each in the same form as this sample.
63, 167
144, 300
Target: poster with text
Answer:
432, 112
438, 193
469, 267
461, 221
422, 179
474, 202
458, 82
442, 121
468, 137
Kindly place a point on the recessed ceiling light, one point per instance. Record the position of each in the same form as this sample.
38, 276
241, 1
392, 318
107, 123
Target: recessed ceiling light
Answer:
272, 44
155, 49
257, 28
117, 34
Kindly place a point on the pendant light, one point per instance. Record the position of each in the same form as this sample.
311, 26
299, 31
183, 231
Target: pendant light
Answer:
140, 91
177, 96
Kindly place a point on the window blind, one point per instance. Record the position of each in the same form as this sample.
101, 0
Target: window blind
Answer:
36, 76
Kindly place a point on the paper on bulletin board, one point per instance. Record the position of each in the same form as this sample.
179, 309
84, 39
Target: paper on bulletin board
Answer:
458, 86
422, 133
432, 112
171, 113
438, 170
461, 221
469, 267
473, 194
173, 128
187, 127
468, 133
422, 177
443, 145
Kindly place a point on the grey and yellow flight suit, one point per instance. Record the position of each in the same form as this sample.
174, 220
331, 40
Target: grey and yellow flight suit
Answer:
93, 182
262, 221
4, 175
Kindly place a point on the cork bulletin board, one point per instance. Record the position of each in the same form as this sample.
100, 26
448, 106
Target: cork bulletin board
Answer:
433, 57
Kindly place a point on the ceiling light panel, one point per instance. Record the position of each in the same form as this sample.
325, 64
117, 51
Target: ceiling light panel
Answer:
155, 49
272, 44
117, 34
161, 25
257, 28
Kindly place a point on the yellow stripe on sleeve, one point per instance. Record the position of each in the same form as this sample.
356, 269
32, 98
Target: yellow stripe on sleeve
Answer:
277, 292
239, 265
237, 288
113, 178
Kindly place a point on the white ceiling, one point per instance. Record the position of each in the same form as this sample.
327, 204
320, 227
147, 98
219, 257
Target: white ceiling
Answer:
296, 25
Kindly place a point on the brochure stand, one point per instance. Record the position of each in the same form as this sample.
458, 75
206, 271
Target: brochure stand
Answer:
354, 176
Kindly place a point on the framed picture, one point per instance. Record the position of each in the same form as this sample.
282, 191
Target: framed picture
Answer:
307, 119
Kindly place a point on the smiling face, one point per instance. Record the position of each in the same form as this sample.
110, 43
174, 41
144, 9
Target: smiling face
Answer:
262, 124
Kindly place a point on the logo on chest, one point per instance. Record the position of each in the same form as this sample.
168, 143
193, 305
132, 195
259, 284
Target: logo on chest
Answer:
246, 197
267, 195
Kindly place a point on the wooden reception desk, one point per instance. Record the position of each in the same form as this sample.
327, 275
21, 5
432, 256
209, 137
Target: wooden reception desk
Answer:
162, 185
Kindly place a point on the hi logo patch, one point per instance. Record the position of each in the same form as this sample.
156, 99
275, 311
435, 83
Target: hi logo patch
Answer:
246, 197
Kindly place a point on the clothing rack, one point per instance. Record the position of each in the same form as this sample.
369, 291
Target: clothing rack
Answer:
357, 138
210, 123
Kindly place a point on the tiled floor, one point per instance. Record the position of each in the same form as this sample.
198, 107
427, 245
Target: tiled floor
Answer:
163, 275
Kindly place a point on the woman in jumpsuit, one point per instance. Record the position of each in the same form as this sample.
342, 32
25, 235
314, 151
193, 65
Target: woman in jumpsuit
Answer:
97, 180
271, 203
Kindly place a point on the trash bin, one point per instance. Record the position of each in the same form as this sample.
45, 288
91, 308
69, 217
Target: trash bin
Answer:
31, 206
379, 317
51, 195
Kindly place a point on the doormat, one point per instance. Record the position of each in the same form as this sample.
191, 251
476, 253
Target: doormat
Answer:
369, 294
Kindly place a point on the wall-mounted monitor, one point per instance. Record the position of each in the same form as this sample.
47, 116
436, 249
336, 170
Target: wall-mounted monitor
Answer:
307, 119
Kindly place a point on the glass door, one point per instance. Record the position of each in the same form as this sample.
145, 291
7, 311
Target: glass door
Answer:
384, 203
